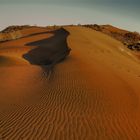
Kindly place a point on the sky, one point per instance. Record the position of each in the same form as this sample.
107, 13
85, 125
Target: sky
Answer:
120, 13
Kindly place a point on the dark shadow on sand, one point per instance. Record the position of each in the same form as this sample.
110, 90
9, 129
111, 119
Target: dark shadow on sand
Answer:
49, 51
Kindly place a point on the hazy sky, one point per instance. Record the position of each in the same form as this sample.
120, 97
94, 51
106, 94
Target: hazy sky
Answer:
121, 13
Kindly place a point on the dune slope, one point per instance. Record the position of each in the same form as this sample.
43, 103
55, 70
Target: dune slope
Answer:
92, 95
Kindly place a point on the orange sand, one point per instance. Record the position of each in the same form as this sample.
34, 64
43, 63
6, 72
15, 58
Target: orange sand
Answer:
92, 95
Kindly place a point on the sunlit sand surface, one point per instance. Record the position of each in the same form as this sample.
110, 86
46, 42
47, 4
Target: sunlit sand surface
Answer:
92, 93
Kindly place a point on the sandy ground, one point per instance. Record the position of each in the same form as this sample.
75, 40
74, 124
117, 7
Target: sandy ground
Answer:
92, 95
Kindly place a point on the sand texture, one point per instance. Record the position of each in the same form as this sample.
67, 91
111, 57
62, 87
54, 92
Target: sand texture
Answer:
48, 92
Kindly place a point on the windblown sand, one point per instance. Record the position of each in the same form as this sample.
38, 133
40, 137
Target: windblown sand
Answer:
93, 94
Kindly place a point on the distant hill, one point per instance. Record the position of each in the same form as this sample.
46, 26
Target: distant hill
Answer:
16, 32
12, 32
14, 28
130, 39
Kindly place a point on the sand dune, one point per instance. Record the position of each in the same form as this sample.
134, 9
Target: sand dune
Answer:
92, 95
